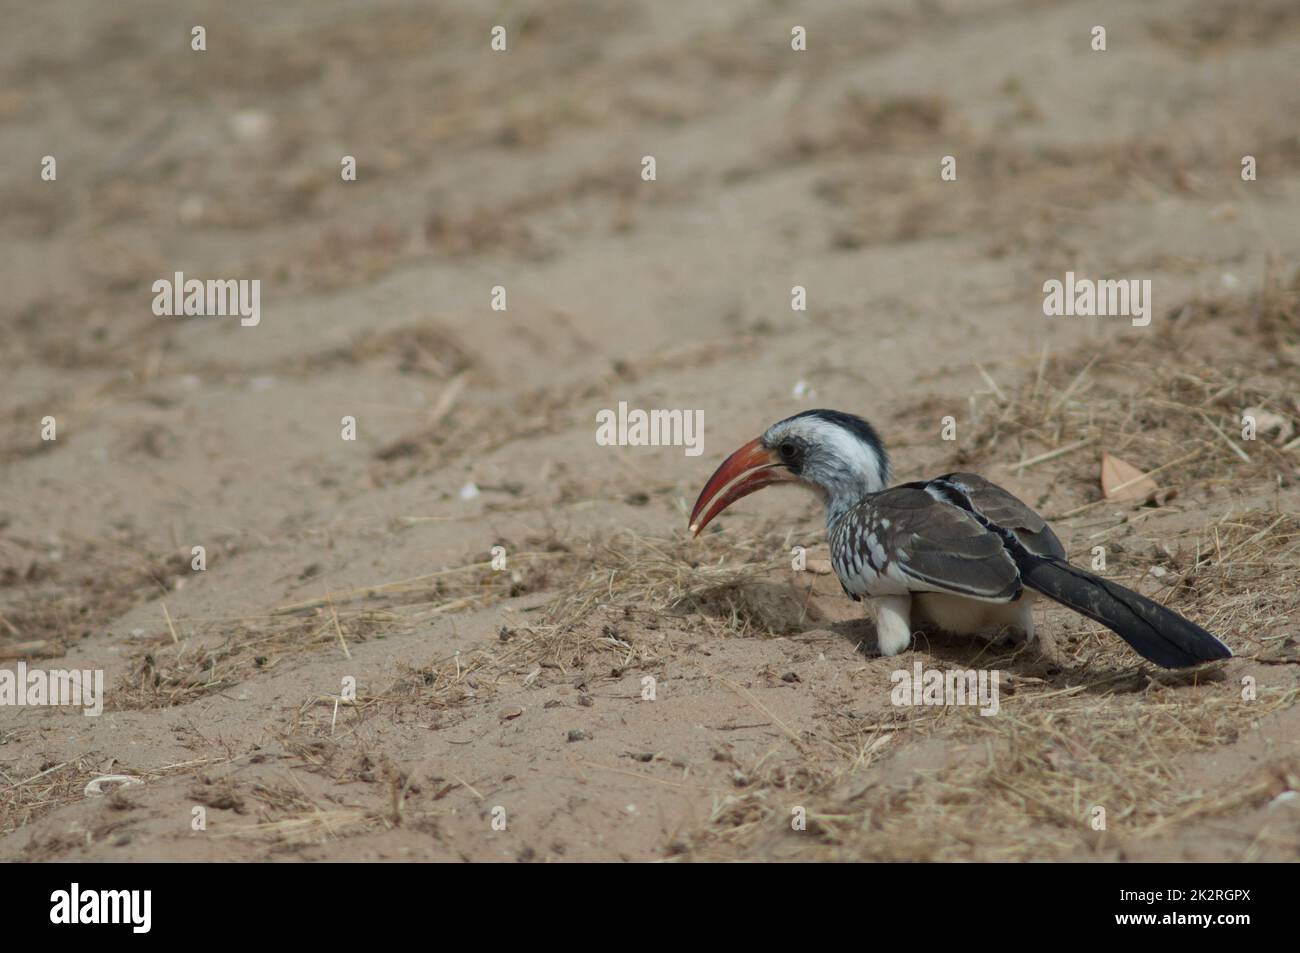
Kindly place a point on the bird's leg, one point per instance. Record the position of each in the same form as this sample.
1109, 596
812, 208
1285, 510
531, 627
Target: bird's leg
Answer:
893, 623
1026, 621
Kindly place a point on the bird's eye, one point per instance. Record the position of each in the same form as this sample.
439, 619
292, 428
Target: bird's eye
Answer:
788, 450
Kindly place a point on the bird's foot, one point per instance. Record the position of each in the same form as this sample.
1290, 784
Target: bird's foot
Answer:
1010, 637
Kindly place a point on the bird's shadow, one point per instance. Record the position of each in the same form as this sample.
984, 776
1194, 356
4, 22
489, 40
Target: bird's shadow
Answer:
972, 652
961, 651
769, 607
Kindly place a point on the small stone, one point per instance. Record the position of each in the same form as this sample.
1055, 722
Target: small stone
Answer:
1286, 797
250, 125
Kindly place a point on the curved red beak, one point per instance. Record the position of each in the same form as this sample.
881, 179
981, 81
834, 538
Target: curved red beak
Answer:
750, 468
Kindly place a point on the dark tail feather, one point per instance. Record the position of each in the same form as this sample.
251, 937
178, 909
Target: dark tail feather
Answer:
1156, 633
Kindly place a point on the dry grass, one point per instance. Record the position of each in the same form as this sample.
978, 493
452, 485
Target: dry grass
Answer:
55, 601
22, 800
218, 653
1240, 578
723, 584
281, 811
1020, 786
288, 816
1179, 421
676, 572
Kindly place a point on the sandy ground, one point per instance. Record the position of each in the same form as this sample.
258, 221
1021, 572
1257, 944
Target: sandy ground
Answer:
484, 695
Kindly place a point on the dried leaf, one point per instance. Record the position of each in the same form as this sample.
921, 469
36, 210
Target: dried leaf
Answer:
1120, 480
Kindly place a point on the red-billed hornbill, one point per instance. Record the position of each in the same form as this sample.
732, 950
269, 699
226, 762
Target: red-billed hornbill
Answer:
956, 552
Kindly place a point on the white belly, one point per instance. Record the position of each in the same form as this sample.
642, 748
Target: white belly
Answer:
963, 616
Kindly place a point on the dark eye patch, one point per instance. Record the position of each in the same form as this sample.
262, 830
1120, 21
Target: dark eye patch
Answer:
791, 452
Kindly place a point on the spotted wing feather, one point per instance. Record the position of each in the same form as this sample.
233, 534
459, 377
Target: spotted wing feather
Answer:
906, 540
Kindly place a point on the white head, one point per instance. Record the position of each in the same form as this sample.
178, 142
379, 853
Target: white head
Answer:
837, 455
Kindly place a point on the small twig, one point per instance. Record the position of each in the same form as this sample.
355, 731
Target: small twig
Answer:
22, 649
1051, 454
447, 399
746, 694
43, 773
168, 616
467, 786
1226, 439
338, 628
993, 385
